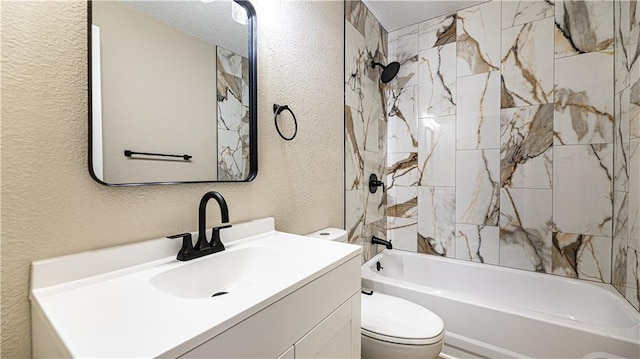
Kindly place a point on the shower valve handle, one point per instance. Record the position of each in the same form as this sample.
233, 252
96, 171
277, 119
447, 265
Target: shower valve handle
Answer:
374, 183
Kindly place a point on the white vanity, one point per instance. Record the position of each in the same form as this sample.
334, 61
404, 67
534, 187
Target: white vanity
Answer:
269, 294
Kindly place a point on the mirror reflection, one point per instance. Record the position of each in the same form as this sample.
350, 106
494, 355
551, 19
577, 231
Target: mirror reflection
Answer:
171, 92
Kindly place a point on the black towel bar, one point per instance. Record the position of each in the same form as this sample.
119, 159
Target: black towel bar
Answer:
129, 153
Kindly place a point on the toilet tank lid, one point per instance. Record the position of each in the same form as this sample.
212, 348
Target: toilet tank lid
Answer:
331, 234
395, 317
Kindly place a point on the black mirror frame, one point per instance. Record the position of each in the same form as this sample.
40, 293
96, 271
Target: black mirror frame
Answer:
253, 104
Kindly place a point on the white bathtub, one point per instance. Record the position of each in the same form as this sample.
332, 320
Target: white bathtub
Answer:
497, 312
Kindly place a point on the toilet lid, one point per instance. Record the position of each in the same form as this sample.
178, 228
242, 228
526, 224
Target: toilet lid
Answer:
397, 320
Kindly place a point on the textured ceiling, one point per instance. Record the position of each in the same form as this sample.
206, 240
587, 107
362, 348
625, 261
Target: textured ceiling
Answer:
396, 14
208, 21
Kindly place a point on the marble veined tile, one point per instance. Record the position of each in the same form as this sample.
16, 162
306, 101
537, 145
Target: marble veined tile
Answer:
230, 61
582, 189
245, 77
373, 110
233, 131
478, 187
354, 214
401, 182
527, 64
478, 113
245, 91
437, 151
231, 114
403, 47
620, 214
437, 32
408, 74
634, 107
375, 203
402, 202
375, 162
584, 104
403, 43
523, 11
382, 135
232, 92
378, 229
437, 81
354, 149
633, 47
582, 256
477, 29
375, 37
228, 82
621, 45
437, 218
402, 131
633, 278
402, 233
621, 142
477, 243
526, 153
526, 229
402, 170
634, 190
355, 59
231, 161
355, 13
619, 264
583, 26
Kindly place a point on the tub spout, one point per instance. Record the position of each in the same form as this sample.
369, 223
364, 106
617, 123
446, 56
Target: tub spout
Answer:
376, 240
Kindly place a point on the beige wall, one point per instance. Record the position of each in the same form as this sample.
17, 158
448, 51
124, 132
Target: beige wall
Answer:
50, 205
140, 112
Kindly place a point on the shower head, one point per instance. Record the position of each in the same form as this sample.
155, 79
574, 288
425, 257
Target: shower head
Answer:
389, 72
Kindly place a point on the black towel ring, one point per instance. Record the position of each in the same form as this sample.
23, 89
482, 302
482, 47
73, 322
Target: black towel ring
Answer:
277, 109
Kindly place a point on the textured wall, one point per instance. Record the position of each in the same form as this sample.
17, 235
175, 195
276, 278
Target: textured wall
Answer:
50, 205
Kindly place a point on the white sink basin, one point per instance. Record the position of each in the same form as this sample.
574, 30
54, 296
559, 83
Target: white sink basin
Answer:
225, 272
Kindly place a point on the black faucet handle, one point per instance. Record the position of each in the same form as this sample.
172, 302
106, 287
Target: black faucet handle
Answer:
187, 246
215, 237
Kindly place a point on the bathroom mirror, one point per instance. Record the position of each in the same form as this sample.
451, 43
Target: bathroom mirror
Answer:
172, 91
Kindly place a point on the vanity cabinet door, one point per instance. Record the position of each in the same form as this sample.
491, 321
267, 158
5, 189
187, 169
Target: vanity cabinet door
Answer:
337, 336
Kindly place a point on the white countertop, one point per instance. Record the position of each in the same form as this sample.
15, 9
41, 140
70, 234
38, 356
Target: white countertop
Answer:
117, 312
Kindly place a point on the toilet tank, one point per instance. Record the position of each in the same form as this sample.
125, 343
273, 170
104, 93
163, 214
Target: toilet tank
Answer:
331, 234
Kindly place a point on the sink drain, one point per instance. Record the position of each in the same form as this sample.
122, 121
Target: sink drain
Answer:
219, 294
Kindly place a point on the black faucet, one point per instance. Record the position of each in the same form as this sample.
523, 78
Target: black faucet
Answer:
204, 247
376, 240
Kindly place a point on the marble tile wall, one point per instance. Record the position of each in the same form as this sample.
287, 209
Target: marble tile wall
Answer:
233, 115
510, 140
366, 119
626, 155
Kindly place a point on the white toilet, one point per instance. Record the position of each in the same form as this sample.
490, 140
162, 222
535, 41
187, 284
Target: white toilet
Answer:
393, 327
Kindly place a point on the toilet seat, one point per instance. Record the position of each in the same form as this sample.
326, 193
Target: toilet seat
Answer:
396, 320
